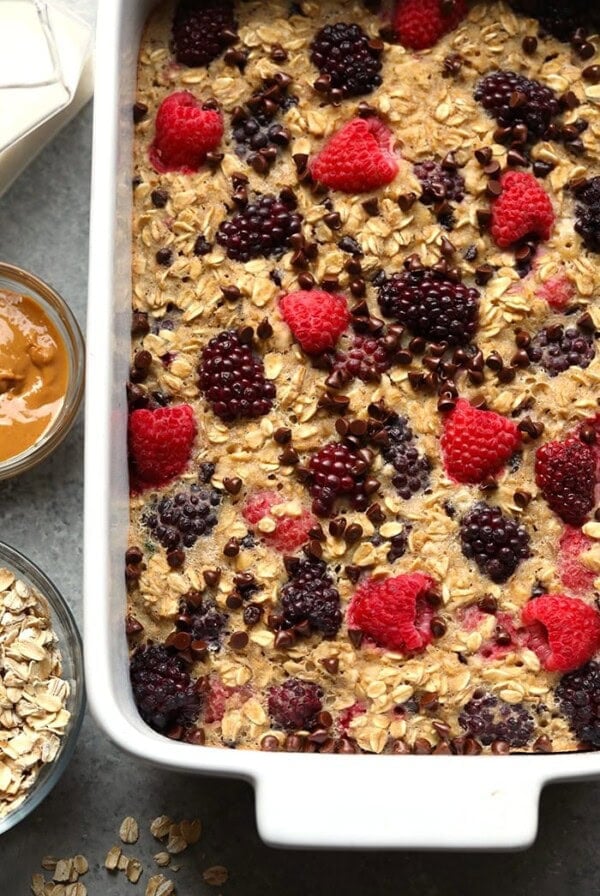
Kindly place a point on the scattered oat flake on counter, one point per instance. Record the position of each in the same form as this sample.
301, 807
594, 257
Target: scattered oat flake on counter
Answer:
129, 831
216, 875
159, 885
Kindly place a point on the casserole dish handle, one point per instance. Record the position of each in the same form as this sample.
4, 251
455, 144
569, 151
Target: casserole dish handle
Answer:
449, 802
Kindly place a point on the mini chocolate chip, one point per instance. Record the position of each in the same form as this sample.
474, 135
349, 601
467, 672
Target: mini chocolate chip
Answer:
140, 110
353, 533
371, 206
355, 635
500, 748
284, 639
493, 189
529, 44
331, 664
521, 498
238, 640
159, 198
333, 220
233, 484
264, 329
353, 573
330, 282
278, 54
179, 640
269, 743
306, 280
483, 274
289, 457
438, 627
176, 558
587, 434
133, 626
591, 74
212, 577
488, 604
231, 293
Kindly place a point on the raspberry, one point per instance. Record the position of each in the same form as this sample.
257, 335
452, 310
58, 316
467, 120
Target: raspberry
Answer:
336, 471
265, 227
163, 691
574, 575
489, 719
587, 214
232, 379
537, 107
185, 133
200, 617
311, 596
290, 532
215, 699
351, 60
431, 305
439, 184
412, 468
419, 24
564, 631
202, 29
476, 444
295, 704
495, 542
557, 291
160, 444
366, 359
180, 520
578, 696
357, 158
565, 472
556, 349
316, 318
523, 210
394, 612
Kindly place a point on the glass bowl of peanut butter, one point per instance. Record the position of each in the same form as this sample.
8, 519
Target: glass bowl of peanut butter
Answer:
42, 362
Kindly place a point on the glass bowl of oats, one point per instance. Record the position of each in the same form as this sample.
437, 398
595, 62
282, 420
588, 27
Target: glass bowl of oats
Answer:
42, 696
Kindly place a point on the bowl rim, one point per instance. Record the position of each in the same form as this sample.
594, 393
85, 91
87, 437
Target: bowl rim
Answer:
75, 347
25, 568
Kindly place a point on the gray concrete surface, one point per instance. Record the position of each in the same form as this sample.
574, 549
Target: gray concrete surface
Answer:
43, 226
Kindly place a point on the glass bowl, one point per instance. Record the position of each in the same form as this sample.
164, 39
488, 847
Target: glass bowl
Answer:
17, 280
69, 643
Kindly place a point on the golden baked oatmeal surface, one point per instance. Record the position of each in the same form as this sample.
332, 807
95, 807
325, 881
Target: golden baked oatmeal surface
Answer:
372, 699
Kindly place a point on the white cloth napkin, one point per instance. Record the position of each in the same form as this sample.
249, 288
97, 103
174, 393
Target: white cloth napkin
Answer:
45, 77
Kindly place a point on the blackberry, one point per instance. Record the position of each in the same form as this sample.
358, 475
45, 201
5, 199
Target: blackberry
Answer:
232, 379
295, 704
366, 359
431, 305
178, 521
255, 128
311, 596
439, 184
163, 691
265, 227
561, 18
587, 214
578, 696
336, 471
349, 57
412, 468
538, 106
202, 619
202, 29
488, 719
557, 349
495, 542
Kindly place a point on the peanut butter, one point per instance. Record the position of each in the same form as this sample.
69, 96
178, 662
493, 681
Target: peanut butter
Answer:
34, 373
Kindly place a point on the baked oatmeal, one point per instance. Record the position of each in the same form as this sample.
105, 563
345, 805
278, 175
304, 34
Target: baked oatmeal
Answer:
363, 396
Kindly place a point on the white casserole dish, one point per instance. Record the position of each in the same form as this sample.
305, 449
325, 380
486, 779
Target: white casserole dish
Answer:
435, 802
